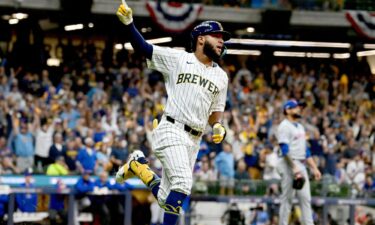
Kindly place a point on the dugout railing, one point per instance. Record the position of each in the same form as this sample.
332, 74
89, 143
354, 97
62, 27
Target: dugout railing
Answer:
72, 202
325, 194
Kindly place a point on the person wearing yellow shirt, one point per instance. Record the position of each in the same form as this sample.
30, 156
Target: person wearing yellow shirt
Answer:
344, 84
59, 168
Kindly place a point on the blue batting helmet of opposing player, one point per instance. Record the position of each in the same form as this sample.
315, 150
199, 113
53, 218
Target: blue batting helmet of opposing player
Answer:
209, 27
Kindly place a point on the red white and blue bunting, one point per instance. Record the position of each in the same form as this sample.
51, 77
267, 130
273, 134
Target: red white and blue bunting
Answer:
363, 22
174, 17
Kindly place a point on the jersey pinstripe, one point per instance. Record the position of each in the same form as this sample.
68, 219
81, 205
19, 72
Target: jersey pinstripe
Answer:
194, 90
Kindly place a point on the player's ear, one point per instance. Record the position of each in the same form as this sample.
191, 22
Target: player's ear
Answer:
200, 39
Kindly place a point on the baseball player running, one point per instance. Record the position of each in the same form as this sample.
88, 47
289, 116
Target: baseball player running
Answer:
292, 141
197, 89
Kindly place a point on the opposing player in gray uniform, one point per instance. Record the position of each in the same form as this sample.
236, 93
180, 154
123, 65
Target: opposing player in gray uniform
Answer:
295, 155
197, 89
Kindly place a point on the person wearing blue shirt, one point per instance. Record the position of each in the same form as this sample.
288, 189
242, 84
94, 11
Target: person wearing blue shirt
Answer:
369, 186
57, 206
86, 158
27, 202
117, 201
119, 154
224, 163
259, 216
3, 203
70, 115
83, 186
101, 203
23, 144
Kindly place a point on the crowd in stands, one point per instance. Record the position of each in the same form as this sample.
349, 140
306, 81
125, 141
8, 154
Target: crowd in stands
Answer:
91, 112
317, 5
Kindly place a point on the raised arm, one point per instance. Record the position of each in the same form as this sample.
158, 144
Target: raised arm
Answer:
125, 15
15, 123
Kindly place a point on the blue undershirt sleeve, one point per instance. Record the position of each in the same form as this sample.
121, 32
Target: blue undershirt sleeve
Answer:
308, 152
138, 42
284, 149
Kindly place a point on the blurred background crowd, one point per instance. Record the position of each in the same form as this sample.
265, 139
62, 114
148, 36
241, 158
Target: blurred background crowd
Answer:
326, 5
87, 115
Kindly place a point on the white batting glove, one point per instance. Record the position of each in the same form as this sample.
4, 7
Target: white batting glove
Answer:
219, 133
125, 13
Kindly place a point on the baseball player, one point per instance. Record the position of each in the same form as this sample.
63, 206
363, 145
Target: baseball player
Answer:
197, 89
295, 155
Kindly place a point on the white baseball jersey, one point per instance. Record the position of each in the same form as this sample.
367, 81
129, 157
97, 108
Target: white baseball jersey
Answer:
194, 90
294, 135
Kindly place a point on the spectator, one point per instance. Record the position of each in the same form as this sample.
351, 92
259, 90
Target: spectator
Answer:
23, 143
101, 203
4, 150
27, 202
99, 133
70, 115
242, 177
109, 120
57, 149
86, 158
269, 164
206, 172
8, 167
369, 186
57, 210
341, 176
224, 162
330, 156
119, 154
43, 141
71, 156
103, 162
4, 198
83, 186
355, 170
58, 168
252, 159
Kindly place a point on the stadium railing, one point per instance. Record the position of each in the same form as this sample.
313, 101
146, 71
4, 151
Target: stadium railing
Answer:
13, 217
325, 194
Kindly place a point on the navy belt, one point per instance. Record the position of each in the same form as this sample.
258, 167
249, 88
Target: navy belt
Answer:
187, 128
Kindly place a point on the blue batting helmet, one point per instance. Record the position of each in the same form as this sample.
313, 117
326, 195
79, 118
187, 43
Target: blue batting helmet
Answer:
209, 27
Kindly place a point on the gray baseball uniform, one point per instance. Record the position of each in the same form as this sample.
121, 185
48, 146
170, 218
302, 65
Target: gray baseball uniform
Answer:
293, 134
